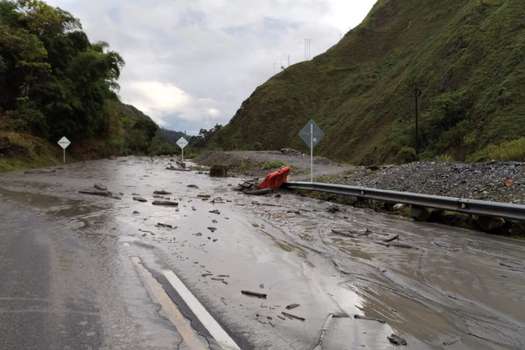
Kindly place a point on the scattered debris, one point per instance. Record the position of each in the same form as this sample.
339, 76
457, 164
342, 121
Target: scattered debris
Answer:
294, 317
99, 193
399, 207
193, 186
254, 294
401, 245
140, 199
333, 209
260, 192
160, 224
390, 239
166, 203
100, 187
212, 229
135, 212
351, 232
162, 193
360, 317
219, 171
217, 200
215, 211
290, 151
397, 340
292, 306
204, 197
174, 168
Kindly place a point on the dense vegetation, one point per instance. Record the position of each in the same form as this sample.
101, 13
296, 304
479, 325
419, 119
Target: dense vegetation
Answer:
55, 82
466, 56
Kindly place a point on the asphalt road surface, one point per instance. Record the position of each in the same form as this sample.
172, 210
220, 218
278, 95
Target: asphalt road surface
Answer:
80, 271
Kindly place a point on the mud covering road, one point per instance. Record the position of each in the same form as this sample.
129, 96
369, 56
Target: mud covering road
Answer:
88, 272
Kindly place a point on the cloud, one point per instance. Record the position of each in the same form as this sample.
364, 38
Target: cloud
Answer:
191, 63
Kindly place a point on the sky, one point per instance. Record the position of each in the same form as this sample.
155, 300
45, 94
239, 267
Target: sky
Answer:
191, 63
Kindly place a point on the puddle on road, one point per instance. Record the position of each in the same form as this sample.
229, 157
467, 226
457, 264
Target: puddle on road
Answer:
440, 287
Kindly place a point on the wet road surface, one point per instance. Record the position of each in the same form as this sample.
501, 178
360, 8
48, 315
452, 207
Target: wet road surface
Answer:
87, 272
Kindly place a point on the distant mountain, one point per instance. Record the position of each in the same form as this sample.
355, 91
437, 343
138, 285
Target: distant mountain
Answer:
173, 136
467, 57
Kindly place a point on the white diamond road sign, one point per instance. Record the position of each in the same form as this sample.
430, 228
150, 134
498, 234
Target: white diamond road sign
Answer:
311, 134
64, 142
182, 143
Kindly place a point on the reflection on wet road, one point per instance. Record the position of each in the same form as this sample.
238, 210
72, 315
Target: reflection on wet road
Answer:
69, 280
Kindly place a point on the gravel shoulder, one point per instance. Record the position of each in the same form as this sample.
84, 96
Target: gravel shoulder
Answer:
495, 181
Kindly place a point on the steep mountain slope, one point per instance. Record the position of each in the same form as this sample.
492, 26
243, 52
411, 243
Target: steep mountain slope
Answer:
466, 56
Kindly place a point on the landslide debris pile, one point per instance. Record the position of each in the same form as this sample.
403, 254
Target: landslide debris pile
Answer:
496, 181
467, 57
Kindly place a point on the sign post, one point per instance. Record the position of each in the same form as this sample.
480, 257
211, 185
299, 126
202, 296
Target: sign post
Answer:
182, 143
64, 143
311, 134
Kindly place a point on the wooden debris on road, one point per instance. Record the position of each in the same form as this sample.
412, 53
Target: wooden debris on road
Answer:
254, 294
162, 193
360, 317
390, 239
397, 340
165, 203
294, 317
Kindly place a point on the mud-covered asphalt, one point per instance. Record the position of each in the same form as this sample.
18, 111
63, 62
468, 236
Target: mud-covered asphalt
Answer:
67, 278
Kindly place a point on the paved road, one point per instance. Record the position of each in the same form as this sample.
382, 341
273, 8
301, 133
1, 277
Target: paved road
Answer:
87, 272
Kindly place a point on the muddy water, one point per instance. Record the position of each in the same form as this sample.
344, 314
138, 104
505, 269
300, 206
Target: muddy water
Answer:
439, 287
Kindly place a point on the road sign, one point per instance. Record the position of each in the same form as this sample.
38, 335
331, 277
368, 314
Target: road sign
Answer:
64, 143
311, 134
182, 143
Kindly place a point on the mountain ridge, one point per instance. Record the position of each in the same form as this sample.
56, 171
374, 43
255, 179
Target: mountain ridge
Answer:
467, 57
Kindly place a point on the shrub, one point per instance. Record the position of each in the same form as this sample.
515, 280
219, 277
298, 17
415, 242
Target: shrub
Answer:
510, 150
406, 155
273, 164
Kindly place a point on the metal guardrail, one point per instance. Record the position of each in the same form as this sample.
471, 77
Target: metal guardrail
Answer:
468, 206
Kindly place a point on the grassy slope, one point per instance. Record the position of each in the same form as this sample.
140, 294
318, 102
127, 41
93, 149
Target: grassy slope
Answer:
466, 55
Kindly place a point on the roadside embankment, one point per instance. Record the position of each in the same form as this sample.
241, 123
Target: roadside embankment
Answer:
493, 181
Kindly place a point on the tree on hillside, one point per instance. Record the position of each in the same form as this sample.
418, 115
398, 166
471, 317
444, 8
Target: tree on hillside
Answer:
50, 73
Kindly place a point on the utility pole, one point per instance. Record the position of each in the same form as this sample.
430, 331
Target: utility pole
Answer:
307, 48
417, 95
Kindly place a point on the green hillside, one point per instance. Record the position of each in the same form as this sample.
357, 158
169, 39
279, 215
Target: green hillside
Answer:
466, 56
54, 82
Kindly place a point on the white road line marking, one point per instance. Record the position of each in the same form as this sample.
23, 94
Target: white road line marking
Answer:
213, 327
158, 294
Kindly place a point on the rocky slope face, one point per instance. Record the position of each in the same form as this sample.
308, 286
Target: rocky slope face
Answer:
466, 57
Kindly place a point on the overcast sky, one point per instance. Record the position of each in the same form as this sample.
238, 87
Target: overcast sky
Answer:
191, 63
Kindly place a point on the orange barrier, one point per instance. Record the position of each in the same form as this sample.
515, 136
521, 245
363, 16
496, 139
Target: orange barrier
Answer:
275, 179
